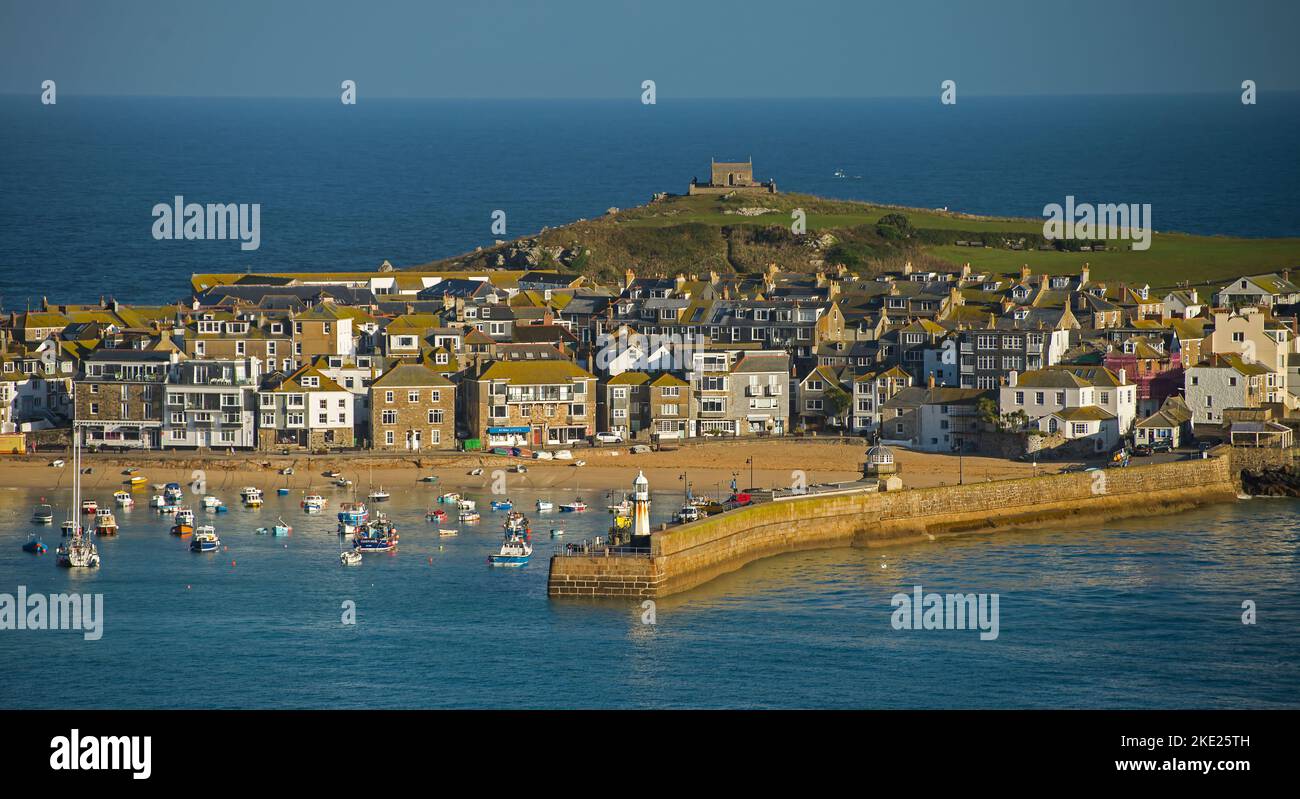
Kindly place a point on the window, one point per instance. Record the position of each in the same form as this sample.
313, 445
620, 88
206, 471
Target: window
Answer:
412, 396
388, 437
388, 396
268, 420
577, 410
435, 416
389, 417
1020, 398
435, 395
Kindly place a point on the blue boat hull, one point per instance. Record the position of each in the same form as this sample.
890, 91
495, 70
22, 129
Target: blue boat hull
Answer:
508, 560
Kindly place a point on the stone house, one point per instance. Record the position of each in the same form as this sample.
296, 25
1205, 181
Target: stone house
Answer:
624, 404
119, 397
305, 409
534, 404
412, 408
670, 407
1222, 382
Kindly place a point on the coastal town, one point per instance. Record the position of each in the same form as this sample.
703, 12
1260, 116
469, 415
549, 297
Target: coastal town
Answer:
1050, 366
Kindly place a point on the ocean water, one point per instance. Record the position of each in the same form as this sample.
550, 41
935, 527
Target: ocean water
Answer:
346, 187
1142, 613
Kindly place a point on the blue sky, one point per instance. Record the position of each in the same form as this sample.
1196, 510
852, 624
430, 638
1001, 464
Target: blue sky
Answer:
581, 48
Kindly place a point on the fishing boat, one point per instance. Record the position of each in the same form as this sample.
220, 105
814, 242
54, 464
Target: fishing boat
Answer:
185, 516
576, 506
89, 506
378, 495
212, 503
469, 516
35, 545
205, 539
545, 505
105, 523
449, 498
429, 478
502, 504
448, 532
516, 522
123, 499
44, 514
313, 503
158, 501
70, 528
169, 508
251, 496
350, 557
466, 504
352, 517
279, 528
436, 515
182, 529
377, 536
688, 513
621, 508
78, 551
515, 551
173, 492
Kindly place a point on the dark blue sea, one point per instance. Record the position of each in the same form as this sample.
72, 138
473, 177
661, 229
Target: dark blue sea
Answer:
1144, 613
346, 187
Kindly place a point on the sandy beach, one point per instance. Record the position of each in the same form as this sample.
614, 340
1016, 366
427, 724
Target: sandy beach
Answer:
709, 467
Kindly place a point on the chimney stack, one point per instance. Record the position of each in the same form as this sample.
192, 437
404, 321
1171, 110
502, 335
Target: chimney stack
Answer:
1013, 378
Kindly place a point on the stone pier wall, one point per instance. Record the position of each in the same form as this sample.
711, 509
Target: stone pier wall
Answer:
686, 556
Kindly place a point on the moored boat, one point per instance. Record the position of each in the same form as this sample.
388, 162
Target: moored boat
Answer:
105, 523
350, 557
89, 506
35, 545
576, 506
469, 516
502, 504
185, 516
448, 532
173, 492
557, 532
377, 536
313, 503
545, 505
44, 514
352, 517
77, 551
205, 539
378, 495
123, 499
451, 497
436, 515
158, 501
212, 503
251, 496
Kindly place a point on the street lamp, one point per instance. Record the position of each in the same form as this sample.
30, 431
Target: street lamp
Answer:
750, 461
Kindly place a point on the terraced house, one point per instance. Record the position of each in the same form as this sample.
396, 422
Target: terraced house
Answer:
212, 403
306, 410
119, 397
225, 335
412, 408
670, 408
535, 404
740, 392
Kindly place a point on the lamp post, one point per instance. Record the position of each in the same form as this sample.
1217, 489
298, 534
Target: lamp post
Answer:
750, 461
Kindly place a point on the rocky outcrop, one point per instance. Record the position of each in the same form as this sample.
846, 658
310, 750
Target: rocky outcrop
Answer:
1280, 481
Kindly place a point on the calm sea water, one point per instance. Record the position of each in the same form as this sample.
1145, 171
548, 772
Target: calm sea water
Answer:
1144, 613
345, 187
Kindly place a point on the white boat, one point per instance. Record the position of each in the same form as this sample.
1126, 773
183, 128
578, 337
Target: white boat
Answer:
469, 516
44, 514
78, 551
622, 508
350, 557
251, 496
352, 517
123, 499
514, 551
184, 516
449, 498
313, 503
342, 482
105, 523
545, 504
448, 532
563, 455
576, 506
211, 503
205, 539
89, 506
466, 504
158, 501
688, 513
557, 532
378, 495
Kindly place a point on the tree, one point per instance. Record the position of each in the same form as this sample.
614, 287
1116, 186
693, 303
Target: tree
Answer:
837, 402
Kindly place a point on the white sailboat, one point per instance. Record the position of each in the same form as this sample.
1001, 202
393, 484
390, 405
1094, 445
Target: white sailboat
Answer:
78, 550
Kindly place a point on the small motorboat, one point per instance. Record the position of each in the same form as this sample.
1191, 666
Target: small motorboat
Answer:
282, 492
519, 468
313, 503
105, 523
352, 517
158, 501
44, 514
514, 551
466, 504
173, 492
545, 504
436, 515
576, 506
169, 508
138, 480
448, 532
469, 516
205, 539
35, 545
557, 532
89, 506
377, 536
342, 483
475, 472
180, 529
378, 495
251, 496
334, 474
516, 522
213, 503
57, 463
429, 478
185, 516
350, 557
502, 504
449, 498
123, 499
622, 508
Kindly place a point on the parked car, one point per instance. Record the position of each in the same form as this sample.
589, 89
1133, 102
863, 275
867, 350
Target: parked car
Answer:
1142, 451
609, 438
1162, 446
